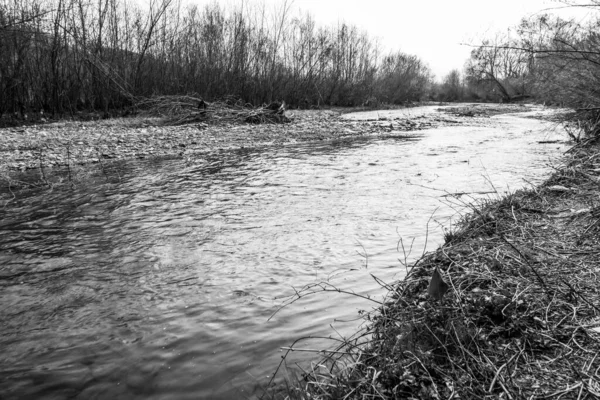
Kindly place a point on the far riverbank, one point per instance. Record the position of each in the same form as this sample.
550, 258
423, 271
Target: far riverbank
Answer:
65, 143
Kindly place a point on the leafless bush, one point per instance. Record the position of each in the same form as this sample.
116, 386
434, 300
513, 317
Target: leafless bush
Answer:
66, 56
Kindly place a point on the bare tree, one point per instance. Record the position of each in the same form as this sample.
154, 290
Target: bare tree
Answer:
73, 55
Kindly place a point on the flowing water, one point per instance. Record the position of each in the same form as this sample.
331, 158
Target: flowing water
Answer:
165, 283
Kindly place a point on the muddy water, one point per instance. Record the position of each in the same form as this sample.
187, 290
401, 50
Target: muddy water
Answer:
162, 284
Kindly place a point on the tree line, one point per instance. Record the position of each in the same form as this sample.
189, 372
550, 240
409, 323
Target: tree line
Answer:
545, 58
64, 56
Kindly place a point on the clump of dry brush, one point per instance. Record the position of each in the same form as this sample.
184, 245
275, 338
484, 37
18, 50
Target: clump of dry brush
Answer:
520, 318
583, 124
179, 110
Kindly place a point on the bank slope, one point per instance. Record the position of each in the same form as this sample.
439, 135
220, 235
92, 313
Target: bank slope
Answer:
520, 318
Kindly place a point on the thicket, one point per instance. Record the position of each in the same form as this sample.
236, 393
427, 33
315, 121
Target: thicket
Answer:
546, 58
61, 56
567, 59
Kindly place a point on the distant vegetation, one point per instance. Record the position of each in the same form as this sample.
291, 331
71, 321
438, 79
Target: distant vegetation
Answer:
64, 56
545, 58
59, 57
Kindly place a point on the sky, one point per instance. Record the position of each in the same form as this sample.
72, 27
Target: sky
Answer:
438, 31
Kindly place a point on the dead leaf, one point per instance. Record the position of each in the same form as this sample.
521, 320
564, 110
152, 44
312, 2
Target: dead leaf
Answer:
437, 286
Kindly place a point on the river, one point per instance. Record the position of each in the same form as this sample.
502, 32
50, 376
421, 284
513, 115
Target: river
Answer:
166, 282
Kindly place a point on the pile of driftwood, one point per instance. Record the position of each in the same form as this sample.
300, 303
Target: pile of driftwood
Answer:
179, 110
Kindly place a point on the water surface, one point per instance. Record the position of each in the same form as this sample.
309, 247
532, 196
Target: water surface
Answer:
162, 284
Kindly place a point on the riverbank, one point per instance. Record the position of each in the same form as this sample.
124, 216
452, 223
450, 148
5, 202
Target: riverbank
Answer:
517, 315
76, 143
60, 143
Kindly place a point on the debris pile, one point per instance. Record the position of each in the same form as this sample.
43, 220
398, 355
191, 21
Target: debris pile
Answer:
180, 110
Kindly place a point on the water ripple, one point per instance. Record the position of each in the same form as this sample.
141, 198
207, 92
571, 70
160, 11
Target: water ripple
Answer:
162, 284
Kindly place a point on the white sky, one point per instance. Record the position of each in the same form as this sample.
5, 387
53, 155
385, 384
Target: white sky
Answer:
430, 29
434, 30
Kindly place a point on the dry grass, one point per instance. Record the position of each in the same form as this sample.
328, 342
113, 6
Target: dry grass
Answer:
521, 318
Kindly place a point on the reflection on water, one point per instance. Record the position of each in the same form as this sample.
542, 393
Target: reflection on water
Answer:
161, 285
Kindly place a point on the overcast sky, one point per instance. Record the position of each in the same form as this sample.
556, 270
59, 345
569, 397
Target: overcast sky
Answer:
434, 30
